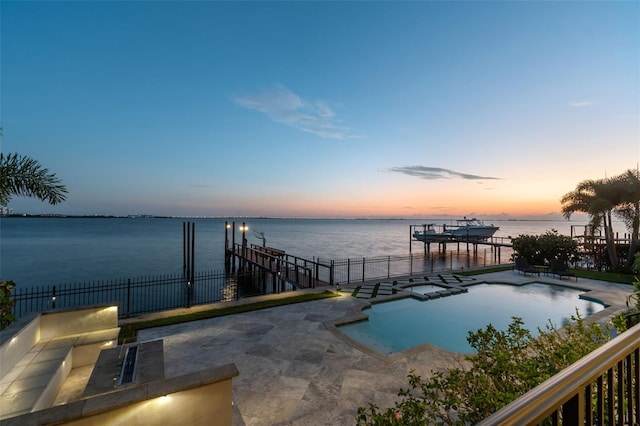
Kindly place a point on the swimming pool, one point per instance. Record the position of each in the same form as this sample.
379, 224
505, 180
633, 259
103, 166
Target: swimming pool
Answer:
402, 324
424, 288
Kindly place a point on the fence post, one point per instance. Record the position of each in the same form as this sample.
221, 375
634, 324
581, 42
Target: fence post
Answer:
237, 289
193, 257
348, 270
363, 268
53, 298
411, 264
188, 257
128, 297
274, 279
388, 266
331, 276
283, 282
184, 248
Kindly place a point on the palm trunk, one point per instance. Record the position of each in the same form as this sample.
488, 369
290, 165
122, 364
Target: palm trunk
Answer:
633, 244
611, 246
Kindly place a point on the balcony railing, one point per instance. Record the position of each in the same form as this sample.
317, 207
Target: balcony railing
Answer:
602, 388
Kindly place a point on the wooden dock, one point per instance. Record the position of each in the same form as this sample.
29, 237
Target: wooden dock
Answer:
273, 267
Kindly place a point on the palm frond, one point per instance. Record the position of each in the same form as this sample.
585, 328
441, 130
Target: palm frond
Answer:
24, 176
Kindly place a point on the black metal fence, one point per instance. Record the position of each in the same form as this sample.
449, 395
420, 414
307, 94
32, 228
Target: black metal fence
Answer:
157, 293
145, 294
352, 270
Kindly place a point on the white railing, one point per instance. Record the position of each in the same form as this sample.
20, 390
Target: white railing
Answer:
601, 388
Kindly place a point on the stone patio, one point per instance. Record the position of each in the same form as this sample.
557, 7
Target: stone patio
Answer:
296, 369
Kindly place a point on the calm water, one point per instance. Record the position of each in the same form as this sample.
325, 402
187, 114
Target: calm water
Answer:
445, 322
39, 251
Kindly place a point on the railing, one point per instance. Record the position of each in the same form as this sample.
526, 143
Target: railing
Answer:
297, 271
602, 388
142, 294
370, 268
277, 277
272, 271
305, 273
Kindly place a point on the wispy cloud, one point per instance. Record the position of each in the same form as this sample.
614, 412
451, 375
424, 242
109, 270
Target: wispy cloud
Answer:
580, 104
433, 173
282, 105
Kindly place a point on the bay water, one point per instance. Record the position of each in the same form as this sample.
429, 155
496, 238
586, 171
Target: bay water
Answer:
37, 251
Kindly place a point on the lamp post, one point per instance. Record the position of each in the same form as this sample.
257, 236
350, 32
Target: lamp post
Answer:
244, 228
233, 236
227, 255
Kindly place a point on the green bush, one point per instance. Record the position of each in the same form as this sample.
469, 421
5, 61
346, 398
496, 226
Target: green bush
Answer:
542, 249
506, 365
632, 316
6, 303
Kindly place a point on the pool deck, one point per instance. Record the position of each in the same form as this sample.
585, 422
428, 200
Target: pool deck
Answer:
295, 369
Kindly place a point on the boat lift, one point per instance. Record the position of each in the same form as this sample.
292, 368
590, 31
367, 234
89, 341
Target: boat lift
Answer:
428, 233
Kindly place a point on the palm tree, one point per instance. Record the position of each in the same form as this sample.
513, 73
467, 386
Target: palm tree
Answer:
594, 198
628, 208
619, 195
23, 176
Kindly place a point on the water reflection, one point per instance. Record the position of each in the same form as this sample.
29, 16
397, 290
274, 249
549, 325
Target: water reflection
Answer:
230, 290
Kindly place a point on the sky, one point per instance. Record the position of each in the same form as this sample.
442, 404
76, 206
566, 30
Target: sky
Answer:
320, 109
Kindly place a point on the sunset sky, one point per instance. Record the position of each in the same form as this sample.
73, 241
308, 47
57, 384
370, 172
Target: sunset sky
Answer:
320, 109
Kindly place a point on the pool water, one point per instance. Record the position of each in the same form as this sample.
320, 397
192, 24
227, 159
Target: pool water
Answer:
424, 288
402, 324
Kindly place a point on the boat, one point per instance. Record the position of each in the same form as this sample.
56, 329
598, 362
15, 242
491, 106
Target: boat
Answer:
430, 234
464, 229
473, 229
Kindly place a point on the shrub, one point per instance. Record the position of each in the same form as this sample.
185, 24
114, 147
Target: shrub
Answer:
506, 365
6, 303
541, 249
632, 316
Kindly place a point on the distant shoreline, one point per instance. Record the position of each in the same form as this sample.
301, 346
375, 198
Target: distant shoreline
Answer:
145, 216
71, 216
